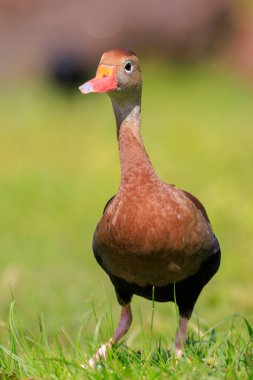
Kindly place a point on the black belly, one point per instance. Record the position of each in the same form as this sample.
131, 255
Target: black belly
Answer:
185, 293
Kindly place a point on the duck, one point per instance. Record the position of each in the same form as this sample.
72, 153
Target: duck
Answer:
153, 240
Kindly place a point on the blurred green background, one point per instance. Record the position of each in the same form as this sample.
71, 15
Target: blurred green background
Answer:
59, 166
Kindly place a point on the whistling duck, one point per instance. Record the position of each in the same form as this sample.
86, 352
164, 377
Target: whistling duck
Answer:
153, 240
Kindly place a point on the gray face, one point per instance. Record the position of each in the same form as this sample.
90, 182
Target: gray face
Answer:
129, 75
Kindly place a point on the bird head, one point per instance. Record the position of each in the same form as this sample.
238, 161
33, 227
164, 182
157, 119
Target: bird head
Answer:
118, 72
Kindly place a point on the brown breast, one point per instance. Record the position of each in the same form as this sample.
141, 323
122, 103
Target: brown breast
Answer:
155, 235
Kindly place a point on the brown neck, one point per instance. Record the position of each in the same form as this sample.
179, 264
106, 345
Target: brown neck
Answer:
134, 161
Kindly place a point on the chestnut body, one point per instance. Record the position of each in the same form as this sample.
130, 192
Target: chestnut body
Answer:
153, 234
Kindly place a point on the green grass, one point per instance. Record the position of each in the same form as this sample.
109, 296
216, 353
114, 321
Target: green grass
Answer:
222, 351
59, 166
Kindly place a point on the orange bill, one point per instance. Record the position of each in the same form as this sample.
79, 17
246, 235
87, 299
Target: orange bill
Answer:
104, 81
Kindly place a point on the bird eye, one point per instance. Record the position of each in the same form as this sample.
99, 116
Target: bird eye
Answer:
128, 67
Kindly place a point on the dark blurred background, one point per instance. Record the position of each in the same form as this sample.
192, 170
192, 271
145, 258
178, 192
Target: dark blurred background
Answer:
62, 36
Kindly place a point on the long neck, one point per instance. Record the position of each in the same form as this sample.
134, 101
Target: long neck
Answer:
134, 161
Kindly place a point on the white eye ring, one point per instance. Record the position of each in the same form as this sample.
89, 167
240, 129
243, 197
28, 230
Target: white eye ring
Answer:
128, 66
